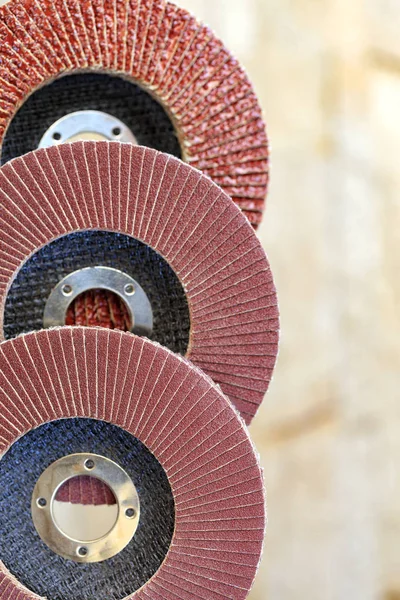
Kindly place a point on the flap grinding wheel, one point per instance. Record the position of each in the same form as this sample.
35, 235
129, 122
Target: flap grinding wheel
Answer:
126, 403
89, 210
147, 63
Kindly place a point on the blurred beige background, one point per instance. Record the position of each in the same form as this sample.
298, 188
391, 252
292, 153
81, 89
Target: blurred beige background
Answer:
328, 76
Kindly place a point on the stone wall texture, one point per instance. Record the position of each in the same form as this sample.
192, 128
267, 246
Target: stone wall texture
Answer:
328, 76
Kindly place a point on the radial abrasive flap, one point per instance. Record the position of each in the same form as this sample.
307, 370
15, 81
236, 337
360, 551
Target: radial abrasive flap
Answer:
163, 48
172, 408
178, 212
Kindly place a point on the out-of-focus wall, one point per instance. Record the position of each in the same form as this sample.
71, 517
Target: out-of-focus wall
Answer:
328, 76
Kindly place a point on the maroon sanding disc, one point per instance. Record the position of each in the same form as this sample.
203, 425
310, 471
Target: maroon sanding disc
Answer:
181, 417
176, 211
164, 49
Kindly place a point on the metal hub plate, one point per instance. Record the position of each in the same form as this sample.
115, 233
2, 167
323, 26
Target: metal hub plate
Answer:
87, 125
125, 494
106, 278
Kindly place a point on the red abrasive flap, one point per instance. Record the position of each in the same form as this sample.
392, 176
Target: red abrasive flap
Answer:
183, 419
178, 212
163, 48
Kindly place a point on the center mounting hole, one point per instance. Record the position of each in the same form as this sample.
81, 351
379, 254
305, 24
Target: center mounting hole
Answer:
101, 308
85, 508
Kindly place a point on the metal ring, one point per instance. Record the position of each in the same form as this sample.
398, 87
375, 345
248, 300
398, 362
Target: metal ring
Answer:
125, 494
74, 284
87, 124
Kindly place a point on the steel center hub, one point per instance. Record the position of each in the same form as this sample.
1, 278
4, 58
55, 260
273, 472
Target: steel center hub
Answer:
45, 518
87, 125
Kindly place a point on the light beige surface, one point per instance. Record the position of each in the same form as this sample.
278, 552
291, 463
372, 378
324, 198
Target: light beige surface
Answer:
328, 75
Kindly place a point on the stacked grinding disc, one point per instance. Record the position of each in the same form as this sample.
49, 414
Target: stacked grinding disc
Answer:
147, 62
138, 314
174, 433
104, 204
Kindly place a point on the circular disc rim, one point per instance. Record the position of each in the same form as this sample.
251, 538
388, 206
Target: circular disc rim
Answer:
187, 69
179, 213
181, 417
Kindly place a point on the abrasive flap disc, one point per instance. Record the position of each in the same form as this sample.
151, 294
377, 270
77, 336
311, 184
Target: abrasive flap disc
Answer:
156, 234
148, 69
79, 403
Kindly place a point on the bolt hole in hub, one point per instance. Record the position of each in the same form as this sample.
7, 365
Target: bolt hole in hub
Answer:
85, 518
